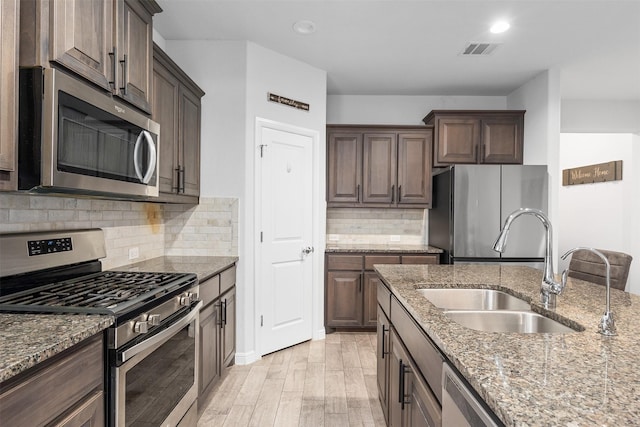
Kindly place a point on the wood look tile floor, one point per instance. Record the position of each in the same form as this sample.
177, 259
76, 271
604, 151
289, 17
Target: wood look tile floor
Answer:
330, 382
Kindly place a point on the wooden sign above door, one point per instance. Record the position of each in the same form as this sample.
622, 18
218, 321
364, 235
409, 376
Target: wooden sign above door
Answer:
602, 172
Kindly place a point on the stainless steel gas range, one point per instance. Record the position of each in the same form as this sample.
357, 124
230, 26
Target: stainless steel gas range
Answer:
151, 347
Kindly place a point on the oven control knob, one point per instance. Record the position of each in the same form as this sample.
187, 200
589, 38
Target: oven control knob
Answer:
141, 327
153, 319
188, 298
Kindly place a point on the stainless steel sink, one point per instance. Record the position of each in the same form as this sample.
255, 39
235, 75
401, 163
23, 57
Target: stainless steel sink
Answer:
524, 322
473, 299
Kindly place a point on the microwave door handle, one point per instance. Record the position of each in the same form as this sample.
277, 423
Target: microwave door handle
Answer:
152, 157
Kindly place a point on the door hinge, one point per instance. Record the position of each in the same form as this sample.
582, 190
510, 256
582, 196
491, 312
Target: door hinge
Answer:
261, 236
261, 320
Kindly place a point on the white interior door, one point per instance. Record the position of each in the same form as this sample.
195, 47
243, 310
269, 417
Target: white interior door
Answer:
284, 280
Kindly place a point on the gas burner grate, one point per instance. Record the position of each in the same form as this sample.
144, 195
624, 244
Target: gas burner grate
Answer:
109, 292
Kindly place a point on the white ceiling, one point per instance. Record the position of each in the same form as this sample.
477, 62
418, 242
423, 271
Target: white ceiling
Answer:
399, 47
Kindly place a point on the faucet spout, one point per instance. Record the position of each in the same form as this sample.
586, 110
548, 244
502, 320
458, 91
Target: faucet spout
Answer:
549, 288
607, 324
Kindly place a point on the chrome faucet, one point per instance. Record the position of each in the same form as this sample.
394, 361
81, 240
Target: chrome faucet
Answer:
549, 288
607, 325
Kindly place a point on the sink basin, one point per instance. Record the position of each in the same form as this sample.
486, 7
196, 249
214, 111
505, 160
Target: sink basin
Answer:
524, 322
473, 299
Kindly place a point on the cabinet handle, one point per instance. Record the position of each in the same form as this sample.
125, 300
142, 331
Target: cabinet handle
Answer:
399, 192
482, 151
123, 88
177, 186
223, 318
393, 191
403, 370
114, 60
182, 174
384, 331
360, 284
358, 193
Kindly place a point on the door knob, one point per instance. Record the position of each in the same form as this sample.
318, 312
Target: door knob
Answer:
307, 250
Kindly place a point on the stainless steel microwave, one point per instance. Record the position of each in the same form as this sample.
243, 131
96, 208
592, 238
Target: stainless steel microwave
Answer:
76, 139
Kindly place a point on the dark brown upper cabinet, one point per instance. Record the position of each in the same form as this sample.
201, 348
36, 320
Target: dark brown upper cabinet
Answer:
107, 42
8, 93
379, 166
177, 108
479, 136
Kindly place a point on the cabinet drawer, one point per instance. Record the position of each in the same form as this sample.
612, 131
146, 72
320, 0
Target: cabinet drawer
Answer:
227, 279
420, 259
384, 298
344, 262
57, 386
370, 260
210, 290
424, 353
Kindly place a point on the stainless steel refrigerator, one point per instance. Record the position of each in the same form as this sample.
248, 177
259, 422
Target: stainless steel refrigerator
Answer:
471, 203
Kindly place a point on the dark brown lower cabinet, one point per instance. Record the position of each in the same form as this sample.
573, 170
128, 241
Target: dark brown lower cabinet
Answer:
383, 360
351, 283
64, 391
411, 402
217, 330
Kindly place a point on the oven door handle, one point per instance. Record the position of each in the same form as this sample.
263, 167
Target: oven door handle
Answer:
162, 336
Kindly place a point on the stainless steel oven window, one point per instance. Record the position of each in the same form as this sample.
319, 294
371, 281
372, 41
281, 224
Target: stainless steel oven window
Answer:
157, 385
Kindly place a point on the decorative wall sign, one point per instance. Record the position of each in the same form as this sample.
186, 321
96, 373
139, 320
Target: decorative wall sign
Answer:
602, 172
290, 102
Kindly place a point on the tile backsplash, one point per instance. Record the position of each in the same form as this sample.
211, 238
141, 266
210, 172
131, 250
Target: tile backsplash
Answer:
208, 229
376, 226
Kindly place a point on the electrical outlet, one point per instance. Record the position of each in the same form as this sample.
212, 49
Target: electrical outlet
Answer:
134, 253
394, 238
334, 237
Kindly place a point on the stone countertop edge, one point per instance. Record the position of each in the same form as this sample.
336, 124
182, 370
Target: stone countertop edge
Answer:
28, 339
204, 267
574, 379
381, 248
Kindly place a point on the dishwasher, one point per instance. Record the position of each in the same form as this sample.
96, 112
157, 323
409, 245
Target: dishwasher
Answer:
460, 407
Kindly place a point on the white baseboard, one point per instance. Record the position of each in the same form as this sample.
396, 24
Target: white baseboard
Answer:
246, 358
319, 335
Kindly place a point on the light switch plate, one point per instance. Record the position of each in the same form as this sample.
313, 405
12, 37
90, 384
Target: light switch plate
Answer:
134, 253
394, 238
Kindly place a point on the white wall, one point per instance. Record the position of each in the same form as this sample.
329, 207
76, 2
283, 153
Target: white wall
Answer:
601, 215
401, 110
269, 71
236, 76
600, 116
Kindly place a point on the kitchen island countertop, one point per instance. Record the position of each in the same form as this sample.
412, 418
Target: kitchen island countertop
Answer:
574, 379
380, 248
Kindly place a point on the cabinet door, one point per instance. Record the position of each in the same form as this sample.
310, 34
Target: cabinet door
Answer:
379, 168
9, 20
414, 168
420, 259
382, 361
397, 380
457, 140
189, 127
88, 414
344, 167
135, 52
502, 140
165, 112
370, 303
82, 38
209, 364
344, 298
228, 311
422, 409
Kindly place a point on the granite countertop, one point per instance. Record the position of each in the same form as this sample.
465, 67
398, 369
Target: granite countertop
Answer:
389, 248
203, 266
28, 339
574, 379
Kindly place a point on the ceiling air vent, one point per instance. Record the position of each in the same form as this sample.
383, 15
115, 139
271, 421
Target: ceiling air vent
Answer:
479, 49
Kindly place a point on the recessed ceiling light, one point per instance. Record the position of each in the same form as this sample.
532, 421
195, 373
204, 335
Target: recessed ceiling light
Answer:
304, 27
499, 27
